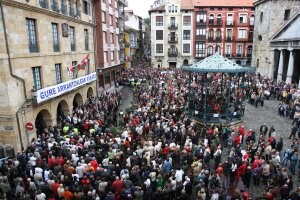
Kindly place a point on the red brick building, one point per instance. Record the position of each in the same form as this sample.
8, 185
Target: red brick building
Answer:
226, 27
108, 41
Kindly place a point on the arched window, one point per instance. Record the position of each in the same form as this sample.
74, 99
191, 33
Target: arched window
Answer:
218, 49
211, 33
209, 51
211, 19
218, 33
219, 19
249, 51
252, 18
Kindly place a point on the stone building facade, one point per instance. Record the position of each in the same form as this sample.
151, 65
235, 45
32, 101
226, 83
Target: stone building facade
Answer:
39, 40
171, 33
272, 51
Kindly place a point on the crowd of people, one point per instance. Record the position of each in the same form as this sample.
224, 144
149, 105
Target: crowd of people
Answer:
160, 153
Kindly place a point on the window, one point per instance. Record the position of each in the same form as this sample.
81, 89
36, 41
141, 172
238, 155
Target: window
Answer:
88, 67
229, 33
249, 50
211, 19
71, 11
239, 49
186, 34
32, 37
53, 5
159, 21
173, 22
229, 19
186, 20
209, 50
159, 35
58, 73
261, 17
105, 56
286, 14
211, 8
201, 31
159, 48
111, 38
186, 48
176, 9
55, 37
243, 19
72, 38
62, 6
201, 17
228, 49
86, 8
218, 33
43, 4
252, 18
219, 19
110, 20
200, 50
211, 33
111, 55
37, 83
104, 37
103, 16
86, 39
242, 33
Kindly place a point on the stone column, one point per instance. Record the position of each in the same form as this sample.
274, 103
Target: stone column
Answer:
271, 64
280, 67
290, 67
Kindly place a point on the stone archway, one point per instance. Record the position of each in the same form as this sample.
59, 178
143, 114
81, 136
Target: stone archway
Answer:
90, 92
77, 100
42, 121
62, 111
185, 62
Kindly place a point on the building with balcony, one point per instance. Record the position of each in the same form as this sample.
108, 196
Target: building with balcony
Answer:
40, 39
109, 41
171, 33
226, 27
276, 52
132, 37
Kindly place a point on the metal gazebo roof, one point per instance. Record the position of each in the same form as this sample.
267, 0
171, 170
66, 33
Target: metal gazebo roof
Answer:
217, 63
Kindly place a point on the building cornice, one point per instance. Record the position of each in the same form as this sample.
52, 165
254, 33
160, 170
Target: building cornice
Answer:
256, 3
44, 11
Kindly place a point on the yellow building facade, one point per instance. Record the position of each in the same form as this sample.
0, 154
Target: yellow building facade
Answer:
39, 40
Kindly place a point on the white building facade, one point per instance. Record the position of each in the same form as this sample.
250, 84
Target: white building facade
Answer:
171, 33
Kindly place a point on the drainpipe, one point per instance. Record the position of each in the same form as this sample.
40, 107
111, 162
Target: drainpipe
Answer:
12, 74
95, 45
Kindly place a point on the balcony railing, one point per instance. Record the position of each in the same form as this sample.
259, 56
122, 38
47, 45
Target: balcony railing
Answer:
201, 23
218, 39
211, 39
186, 23
172, 52
239, 55
172, 26
227, 55
213, 23
44, 3
200, 37
249, 55
229, 39
173, 40
229, 23
56, 47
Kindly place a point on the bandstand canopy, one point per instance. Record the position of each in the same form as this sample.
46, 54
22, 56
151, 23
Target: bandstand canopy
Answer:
217, 63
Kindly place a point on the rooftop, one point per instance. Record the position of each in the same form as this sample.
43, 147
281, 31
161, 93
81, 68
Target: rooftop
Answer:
187, 5
224, 3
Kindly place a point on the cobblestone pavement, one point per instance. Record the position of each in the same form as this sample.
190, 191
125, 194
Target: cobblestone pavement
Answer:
255, 117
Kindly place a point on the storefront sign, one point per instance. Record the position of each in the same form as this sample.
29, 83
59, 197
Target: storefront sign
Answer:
59, 89
29, 126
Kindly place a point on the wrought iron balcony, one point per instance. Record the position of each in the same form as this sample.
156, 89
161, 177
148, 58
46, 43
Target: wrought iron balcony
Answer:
211, 39
172, 52
217, 23
239, 55
172, 26
229, 39
201, 37
173, 40
229, 23
201, 23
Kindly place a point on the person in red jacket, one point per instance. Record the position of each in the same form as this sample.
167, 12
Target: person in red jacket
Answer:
118, 186
242, 131
94, 164
55, 186
60, 160
237, 140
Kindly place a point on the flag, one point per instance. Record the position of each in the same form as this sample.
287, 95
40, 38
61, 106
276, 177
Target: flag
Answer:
73, 70
84, 63
70, 71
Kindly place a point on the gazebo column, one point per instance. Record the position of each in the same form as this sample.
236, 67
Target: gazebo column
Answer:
280, 67
290, 68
